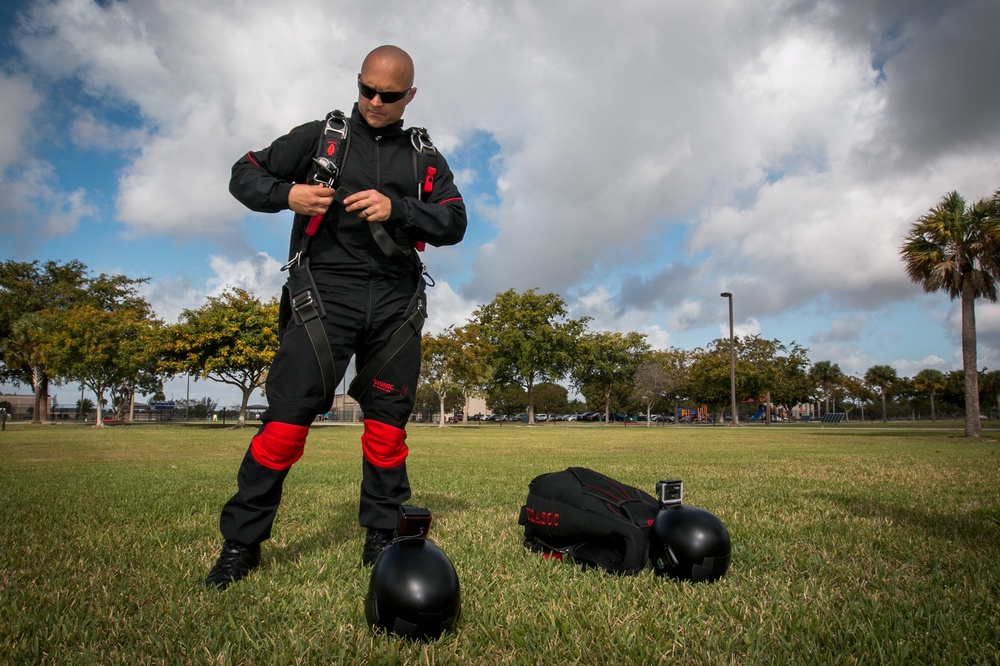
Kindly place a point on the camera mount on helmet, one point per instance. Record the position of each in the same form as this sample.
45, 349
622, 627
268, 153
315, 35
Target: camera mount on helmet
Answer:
687, 542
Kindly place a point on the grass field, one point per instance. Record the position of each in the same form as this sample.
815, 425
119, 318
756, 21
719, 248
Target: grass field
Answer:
849, 546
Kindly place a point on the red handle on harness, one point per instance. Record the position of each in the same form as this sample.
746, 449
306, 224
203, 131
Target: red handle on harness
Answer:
313, 225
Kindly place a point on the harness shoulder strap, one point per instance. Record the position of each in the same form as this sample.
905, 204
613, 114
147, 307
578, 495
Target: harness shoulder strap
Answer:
425, 160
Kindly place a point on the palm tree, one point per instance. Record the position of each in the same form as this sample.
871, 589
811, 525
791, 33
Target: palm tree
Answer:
930, 381
827, 375
956, 248
882, 377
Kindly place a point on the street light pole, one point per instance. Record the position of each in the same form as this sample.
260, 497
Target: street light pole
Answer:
732, 360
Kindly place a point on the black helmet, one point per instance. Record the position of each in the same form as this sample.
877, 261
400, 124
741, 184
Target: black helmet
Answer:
689, 543
413, 590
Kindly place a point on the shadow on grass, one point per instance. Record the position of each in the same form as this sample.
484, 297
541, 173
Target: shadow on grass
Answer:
979, 529
341, 528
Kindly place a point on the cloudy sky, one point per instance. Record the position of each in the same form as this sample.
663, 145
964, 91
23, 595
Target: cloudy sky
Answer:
637, 158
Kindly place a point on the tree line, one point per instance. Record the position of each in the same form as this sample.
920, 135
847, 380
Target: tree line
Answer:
59, 323
521, 349
62, 324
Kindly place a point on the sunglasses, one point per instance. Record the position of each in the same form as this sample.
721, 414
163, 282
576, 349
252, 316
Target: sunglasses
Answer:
387, 97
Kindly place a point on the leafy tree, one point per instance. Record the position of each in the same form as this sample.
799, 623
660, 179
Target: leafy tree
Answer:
530, 339
608, 361
955, 248
96, 347
197, 408
778, 370
652, 383
436, 354
708, 378
231, 339
139, 369
676, 363
469, 364
907, 393
826, 375
989, 386
930, 381
506, 399
882, 377
26, 291
83, 407
855, 393
551, 398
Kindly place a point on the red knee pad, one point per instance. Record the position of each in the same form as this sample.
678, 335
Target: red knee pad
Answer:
279, 445
383, 445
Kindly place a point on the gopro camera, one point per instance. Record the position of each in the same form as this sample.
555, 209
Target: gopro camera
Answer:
669, 493
413, 521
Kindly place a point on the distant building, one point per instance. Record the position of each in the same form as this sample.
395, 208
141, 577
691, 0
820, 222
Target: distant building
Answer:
344, 409
19, 407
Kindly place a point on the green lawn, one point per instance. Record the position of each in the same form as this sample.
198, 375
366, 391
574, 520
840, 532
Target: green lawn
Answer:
849, 546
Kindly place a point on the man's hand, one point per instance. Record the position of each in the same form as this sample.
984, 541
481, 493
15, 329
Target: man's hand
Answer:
310, 200
370, 205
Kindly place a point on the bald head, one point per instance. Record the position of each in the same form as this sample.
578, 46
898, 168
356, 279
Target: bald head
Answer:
387, 69
390, 57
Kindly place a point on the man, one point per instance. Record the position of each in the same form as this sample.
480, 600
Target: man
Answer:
367, 290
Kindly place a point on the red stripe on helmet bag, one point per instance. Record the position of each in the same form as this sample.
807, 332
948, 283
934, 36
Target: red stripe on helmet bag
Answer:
383, 445
279, 445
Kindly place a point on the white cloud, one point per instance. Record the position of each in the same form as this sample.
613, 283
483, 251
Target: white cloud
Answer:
647, 153
20, 104
259, 274
446, 307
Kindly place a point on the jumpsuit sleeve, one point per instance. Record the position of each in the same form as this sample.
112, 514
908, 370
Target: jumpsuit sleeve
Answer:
442, 219
262, 179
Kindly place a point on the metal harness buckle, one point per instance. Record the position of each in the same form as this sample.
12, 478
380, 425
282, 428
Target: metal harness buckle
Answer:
304, 305
340, 120
294, 261
420, 139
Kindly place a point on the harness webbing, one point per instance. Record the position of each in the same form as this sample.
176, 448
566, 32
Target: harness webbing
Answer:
388, 350
303, 297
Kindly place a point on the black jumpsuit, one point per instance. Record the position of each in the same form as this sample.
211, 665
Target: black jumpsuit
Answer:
366, 295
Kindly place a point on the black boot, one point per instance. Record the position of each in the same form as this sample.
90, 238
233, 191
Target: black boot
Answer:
375, 543
233, 565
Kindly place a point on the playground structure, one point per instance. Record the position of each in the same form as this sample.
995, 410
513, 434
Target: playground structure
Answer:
779, 413
699, 415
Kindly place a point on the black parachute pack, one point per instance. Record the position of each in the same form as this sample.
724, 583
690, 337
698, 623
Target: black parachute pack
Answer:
590, 518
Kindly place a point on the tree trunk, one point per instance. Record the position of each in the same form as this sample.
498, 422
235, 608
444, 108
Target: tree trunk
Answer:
242, 420
441, 410
933, 410
973, 426
100, 409
40, 385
